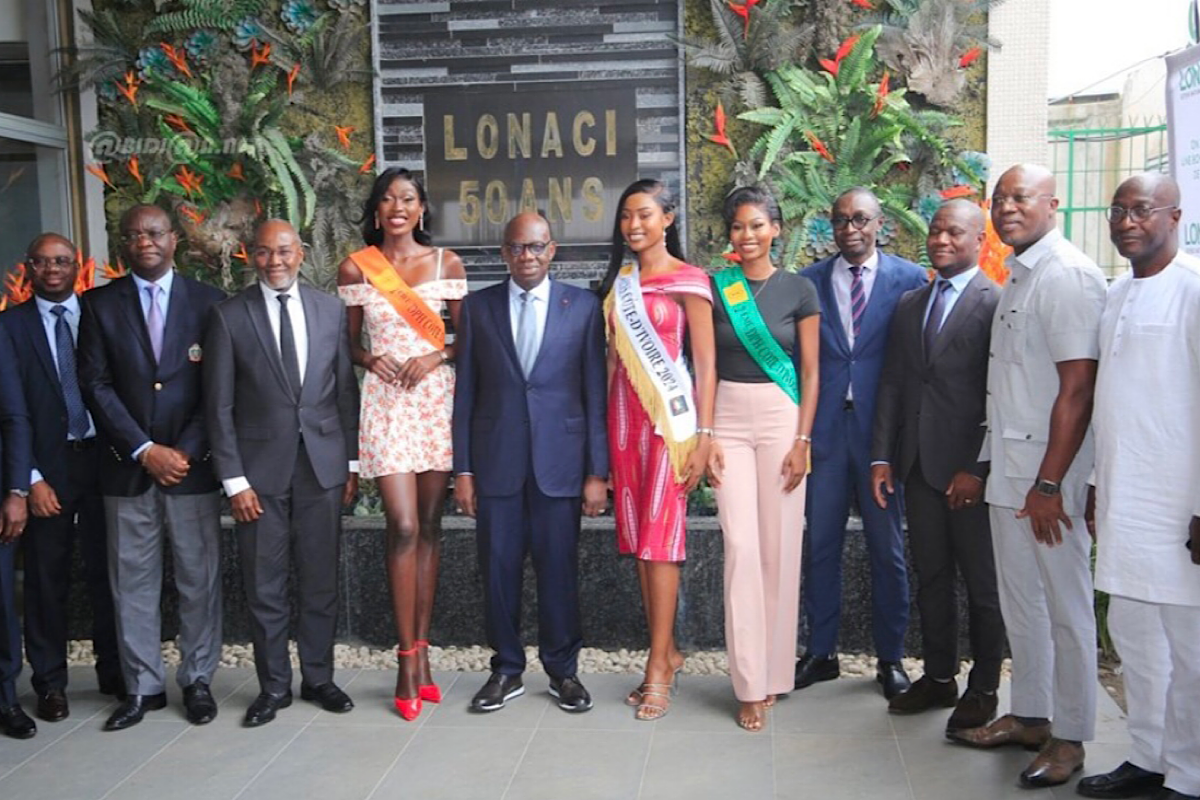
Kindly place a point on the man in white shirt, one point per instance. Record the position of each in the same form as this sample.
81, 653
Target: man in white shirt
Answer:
1147, 424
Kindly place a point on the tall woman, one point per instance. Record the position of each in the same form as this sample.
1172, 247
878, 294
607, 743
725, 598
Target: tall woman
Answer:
759, 458
659, 428
398, 286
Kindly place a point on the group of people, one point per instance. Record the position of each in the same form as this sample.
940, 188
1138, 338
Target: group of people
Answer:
1005, 422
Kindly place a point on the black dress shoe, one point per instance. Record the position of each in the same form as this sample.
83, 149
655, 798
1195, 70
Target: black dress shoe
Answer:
974, 710
498, 690
328, 696
130, 712
199, 702
894, 679
572, 697
263, 709
113, 686
52, 706
14, 722
812, 669
1127, 780
925, 694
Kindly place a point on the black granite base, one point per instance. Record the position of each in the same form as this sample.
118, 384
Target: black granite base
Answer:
612, 615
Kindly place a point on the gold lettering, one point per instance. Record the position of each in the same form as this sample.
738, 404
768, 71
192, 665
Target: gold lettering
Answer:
552, 137
528, 196
610, 132
583, 147
468, 202
560, 196
520, 134
593, 199
452, 153
495, 201
487, 136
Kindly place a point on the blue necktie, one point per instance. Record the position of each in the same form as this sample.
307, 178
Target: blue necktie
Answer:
936, 312
527, 344
77, 418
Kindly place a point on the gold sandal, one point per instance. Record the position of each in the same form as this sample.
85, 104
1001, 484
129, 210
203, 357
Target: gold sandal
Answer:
634, 698
648, 712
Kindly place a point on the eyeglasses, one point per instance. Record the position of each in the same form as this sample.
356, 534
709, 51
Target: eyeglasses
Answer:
131, 237
45, 262
859, 221
517, 249
1022, 200
1115, 214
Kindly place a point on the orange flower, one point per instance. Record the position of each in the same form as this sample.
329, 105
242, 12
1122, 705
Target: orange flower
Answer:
129, 88
135, 170
720, 137
819, 146
846, 47
190, 181
235, 172
178, 123
99, 172
17, 288
193, 213
242, 254
969, 57
957, 191
86, 277
366, 165
113, 271
259, 55
292, 78
343, 134
862, 4
176, 57
732, 256
993, 253
881, 94
830, 66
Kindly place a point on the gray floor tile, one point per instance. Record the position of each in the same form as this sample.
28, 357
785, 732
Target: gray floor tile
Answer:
936, 769
845, 707
456, 764
454, 710
700, 705
609, 711
372, 692
604, 765
698, 766
842, 767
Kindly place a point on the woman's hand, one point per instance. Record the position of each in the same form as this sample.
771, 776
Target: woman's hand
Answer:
384, 367
716, 464
795, 465
693, 470
414, 370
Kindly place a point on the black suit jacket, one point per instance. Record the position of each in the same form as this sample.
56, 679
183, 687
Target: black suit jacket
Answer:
934, 406
255, 423
132, 399
15, 433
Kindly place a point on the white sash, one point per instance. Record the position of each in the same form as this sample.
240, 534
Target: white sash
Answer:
670, 379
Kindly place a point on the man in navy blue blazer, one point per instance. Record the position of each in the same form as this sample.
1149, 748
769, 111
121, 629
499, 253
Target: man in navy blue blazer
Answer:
530, 454
859, 288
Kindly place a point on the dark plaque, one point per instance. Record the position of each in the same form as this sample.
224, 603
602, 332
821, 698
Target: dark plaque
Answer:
493, 152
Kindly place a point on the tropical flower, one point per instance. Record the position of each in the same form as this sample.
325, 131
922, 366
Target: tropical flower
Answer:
201, 45
928, 205
819, 231
153, 58
246, 33
298, 15
979, 163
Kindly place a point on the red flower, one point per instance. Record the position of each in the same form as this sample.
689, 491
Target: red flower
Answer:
862, 4
343, 134
175, 57
881, 94
819, 146
135, 169
721, 137
957, 191
366, 165
732, 256
98, 171
846, 47
242, 254
259, 55
743, 11
969, 57
830, 66
292, 78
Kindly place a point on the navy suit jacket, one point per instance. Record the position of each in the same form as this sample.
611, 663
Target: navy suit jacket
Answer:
864, 363
15, 434
132, 399
555, 419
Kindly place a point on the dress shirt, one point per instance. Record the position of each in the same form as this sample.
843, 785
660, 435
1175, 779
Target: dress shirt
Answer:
164, 303
958, 285
49, 322
842, 280
539, 296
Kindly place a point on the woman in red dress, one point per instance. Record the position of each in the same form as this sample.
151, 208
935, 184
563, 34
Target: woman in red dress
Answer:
659, 430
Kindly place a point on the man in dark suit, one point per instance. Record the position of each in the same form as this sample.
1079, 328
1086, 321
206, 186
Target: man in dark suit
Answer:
64, 494
529, 442
15, 446
139, 369
930, 421
859, 289
281, 402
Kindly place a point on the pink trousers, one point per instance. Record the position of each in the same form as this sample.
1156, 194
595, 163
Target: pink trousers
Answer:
763, 530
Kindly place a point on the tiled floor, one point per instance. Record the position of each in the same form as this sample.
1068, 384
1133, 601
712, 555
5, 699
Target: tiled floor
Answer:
833, 740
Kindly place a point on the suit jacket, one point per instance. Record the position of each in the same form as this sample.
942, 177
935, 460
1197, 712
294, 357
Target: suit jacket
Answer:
16, 437
934, 406
255, 422
134, 400
863, 364
555, 419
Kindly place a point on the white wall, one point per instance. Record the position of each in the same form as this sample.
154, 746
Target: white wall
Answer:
1017, 84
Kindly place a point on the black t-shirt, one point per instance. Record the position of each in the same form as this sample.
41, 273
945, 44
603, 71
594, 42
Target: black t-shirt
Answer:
783, 300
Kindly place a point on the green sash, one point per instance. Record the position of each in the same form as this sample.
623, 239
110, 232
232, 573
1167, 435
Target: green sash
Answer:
753, 333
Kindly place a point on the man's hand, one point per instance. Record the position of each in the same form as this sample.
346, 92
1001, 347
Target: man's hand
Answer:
881, 483
965, 491
1194, 532
464, 494
716, 465
1044, 513
13, 515
43, 500
166, 465
1089, 512
351, 489
246, 507
595, 496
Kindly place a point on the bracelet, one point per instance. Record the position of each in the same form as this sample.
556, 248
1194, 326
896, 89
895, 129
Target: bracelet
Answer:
803, 437
445, 358
709, 431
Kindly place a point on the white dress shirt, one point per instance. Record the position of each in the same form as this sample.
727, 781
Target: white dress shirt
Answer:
539, 296
50, 322
842, 280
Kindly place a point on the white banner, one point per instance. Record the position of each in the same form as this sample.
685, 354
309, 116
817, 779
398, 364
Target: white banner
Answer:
1183, 131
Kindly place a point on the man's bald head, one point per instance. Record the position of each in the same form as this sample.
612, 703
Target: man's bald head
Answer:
49, 236
1024, 205
1144, 221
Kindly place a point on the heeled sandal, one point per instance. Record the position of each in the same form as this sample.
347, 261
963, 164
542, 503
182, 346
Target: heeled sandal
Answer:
409, 708
429, 692
648, 712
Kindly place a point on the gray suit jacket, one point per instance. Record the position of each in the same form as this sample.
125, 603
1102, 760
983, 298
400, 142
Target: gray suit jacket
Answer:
933, 407
254, 423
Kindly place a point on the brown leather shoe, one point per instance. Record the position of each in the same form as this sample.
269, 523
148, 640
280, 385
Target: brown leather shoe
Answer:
1006, 730
52, 706
925, 694
974, 710
1054, 765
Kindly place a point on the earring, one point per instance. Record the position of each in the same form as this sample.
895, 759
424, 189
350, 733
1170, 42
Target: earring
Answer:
377, 220
421, 222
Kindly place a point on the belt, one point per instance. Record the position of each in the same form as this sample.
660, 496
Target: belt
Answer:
79, 445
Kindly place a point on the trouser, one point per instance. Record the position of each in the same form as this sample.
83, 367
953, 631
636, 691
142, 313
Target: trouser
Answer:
10, 627
1047, 601
763, 530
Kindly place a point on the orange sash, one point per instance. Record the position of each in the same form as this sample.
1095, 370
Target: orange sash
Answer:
408, 304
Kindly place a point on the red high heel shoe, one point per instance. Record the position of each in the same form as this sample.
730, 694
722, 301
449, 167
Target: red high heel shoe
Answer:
408, 707
429, 692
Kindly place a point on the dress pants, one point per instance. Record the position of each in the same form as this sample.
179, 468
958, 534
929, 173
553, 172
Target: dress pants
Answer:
138, 528
1047, 601
507, 527
1160, 654
843, 473
763, 531
304, 522
10, 627
48, 543
945, 543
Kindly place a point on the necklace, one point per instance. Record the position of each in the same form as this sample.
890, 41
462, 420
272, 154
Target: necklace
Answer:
764, 285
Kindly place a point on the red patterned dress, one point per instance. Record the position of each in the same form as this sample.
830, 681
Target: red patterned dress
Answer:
649, 503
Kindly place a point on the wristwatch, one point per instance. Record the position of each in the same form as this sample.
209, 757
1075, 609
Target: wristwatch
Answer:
1047, 488
19, 492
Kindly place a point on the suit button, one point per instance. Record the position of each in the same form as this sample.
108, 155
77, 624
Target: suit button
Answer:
157, 386
1029, 436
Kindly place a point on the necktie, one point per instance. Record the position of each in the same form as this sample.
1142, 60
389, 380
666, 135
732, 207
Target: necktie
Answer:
64, 344
934, 323
527, 334
154, 321
858, 299
287, 346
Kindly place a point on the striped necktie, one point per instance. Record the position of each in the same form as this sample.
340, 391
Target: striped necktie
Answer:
858, 299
